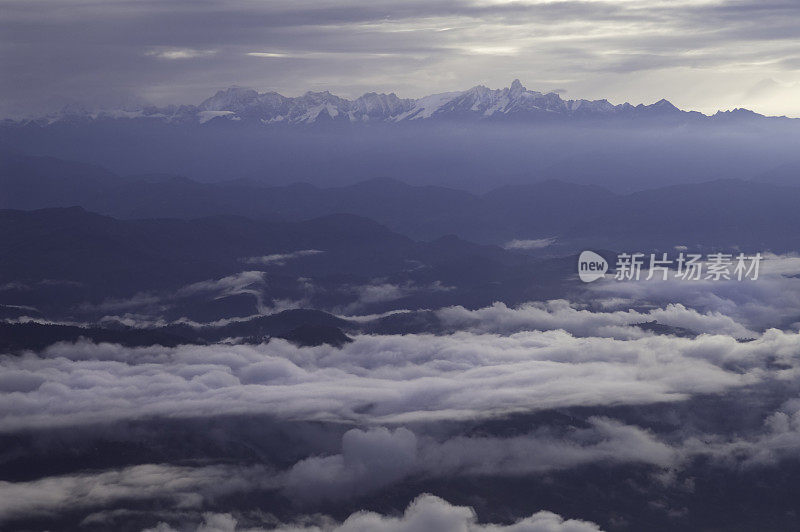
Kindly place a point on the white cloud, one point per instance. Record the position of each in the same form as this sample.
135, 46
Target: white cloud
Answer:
247, 282
778, 440
427, 513
772, 300
606, 440
183, 487
279, 259
180, 53
496, 366
373, 458
369, 459
381, 291
529, 244
238, 283
561, 314
379, 378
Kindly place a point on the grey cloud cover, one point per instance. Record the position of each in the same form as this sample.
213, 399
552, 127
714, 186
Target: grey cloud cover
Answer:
703, 55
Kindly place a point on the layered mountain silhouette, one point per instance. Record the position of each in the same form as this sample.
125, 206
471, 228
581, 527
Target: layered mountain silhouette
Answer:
548, 216
71, 263
476, 139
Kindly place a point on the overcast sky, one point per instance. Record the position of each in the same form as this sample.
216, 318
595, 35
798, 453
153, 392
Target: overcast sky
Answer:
700, 54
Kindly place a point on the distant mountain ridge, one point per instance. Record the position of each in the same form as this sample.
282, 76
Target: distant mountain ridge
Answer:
557, 216
515, 102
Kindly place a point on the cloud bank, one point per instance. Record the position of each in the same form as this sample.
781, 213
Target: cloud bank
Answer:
394, 379
424, 514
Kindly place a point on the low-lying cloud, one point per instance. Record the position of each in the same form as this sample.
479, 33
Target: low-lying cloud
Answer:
183, 487
424, 514
499, 318
279, 259
371, 459
393, 379
772, 300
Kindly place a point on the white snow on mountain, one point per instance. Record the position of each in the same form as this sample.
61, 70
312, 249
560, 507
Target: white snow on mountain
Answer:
426, 106
477, 103
205, 116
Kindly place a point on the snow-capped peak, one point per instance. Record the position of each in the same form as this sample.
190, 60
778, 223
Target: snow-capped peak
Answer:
477, 103
231, 99
517, 87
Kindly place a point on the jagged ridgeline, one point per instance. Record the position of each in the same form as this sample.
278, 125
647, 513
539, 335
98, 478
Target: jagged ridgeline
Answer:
479, 102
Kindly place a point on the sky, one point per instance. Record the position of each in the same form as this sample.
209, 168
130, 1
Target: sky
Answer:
700, 54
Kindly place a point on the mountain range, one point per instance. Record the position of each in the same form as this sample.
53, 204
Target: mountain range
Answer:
68, 262
543, 217
476, 140
514, 103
